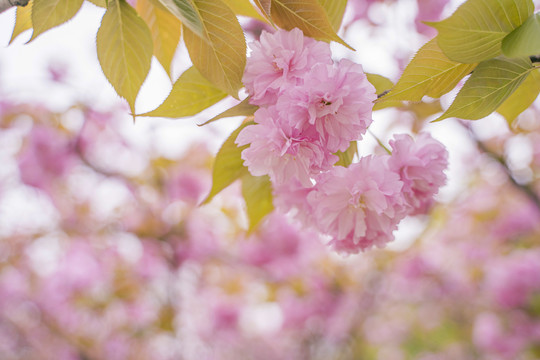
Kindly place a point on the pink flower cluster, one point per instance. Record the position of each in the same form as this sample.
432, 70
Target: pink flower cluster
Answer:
310, 108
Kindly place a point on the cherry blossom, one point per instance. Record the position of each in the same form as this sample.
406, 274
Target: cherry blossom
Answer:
281, 151
334, 101
359, 206
280, 60
420, 165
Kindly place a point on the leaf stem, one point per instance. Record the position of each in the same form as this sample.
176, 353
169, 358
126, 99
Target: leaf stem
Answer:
380, 142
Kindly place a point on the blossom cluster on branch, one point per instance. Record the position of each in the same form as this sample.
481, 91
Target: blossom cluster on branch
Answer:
108, 251
309, 109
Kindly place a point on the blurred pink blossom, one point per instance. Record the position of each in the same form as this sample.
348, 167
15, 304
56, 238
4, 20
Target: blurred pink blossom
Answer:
360, 8
489, 335
281, 248
47, 156
513, 280
428, 10
188, 184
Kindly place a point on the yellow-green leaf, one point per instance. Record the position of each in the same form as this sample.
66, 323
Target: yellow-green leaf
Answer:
381, 83
100, 3
424, 109
346, 157
429, 73
221, 55
187, 13
244, 8
491, 83
475, 31
228, 164
307, 15
522, 98
23, 20
124, 49
525, 40
165, 28
382, 87
257, 193
244, 108
335, 10
265, 6
47, 14
190, 94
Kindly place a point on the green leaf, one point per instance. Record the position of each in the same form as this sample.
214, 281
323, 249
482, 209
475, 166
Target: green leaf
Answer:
346, 157
307, 15
124, 49
525, 40
165, 28
228, 165
220, 55
475, 31
23, 20
187, 13
429, 73
244, 8
47, 14
257, 193
335, 10
190, 94
522, 98
491, 83
243, 108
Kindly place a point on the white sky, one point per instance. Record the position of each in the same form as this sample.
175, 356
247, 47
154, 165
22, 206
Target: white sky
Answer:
24, 77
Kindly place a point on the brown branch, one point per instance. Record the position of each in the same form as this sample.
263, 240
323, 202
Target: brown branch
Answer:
524, 188
8, 4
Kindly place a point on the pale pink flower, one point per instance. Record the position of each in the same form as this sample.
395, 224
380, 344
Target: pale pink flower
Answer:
48, 155
359, 206
317, 305
201, 239
489, 335
335, 101
58, 72
280, 60
291, 198
359, 9
281, 151
420, 166
188, 184
428, 10
281, 248
225, 317
514, 280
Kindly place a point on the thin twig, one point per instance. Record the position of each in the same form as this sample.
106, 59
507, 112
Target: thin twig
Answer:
527, 190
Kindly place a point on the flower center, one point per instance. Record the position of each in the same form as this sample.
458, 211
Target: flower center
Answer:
357, 201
